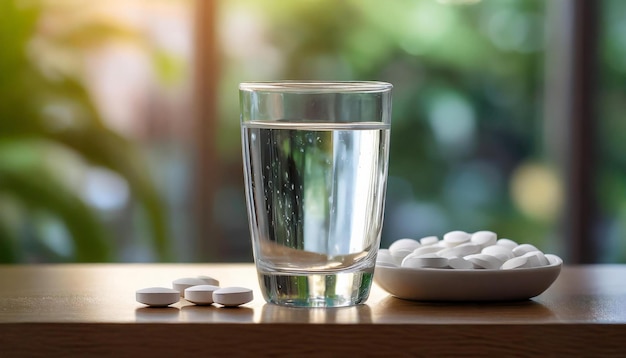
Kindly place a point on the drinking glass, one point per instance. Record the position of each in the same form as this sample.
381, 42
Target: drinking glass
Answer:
315, 167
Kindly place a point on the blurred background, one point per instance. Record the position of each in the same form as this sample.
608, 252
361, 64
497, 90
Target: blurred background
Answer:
119, 120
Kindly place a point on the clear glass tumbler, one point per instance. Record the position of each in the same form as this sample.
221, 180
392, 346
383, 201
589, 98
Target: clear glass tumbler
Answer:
315, 167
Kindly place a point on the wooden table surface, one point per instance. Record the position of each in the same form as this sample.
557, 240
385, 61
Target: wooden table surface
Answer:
90, 309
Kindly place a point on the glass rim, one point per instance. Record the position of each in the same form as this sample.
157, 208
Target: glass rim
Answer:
316, 86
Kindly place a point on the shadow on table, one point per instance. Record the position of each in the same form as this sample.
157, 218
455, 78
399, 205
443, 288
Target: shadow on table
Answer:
396, 310
193, 313
156, 314
216, 314
344, 315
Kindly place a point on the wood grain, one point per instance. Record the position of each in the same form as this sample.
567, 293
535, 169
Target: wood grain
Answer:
286, 340
89, 310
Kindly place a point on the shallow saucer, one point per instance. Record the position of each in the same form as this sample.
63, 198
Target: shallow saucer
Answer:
430, 284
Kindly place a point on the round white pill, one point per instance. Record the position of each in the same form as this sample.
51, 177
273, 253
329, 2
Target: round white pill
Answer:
183, 283
507, 242
429, 240
430, 249
498, 251
399, 255
232, 296
424, 261
201, 294
208, 280
404, 244
465, 249
384, 257
553, 259
460, 263
157, 296
448, 253
484, 261
516, 262
456, 237
484, 238
536, 258
524, 248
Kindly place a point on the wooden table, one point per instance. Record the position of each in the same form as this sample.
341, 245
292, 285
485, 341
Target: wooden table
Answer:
87, 310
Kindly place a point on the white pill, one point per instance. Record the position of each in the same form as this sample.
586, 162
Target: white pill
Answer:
460, 263
384, 257
456, 237
424, 261
508, 243
427, 249
232, 296
201, 294
502, 257
399, 255
208, 280
448, 252
465, 249
553, 259
157, 296
183, 283
484, 261
524, 248
404, 244
498, 251
484, 238
516, 262
429, 240
536, 258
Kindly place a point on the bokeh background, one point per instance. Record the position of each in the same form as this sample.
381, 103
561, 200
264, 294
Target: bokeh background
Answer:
119, 119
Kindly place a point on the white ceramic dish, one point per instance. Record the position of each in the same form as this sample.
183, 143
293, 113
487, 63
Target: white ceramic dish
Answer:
428, 284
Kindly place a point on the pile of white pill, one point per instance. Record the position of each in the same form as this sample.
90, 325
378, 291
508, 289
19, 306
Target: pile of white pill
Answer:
200, 290
462, 250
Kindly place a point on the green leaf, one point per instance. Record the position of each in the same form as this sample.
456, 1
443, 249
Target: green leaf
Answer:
38, 190
37, 108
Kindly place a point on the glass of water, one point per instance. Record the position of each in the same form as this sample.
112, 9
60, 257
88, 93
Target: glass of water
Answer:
315, 166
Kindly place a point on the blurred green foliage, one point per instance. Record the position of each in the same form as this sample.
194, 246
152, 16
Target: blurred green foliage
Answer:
467, 107
47, 119
468, 115
611, 177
